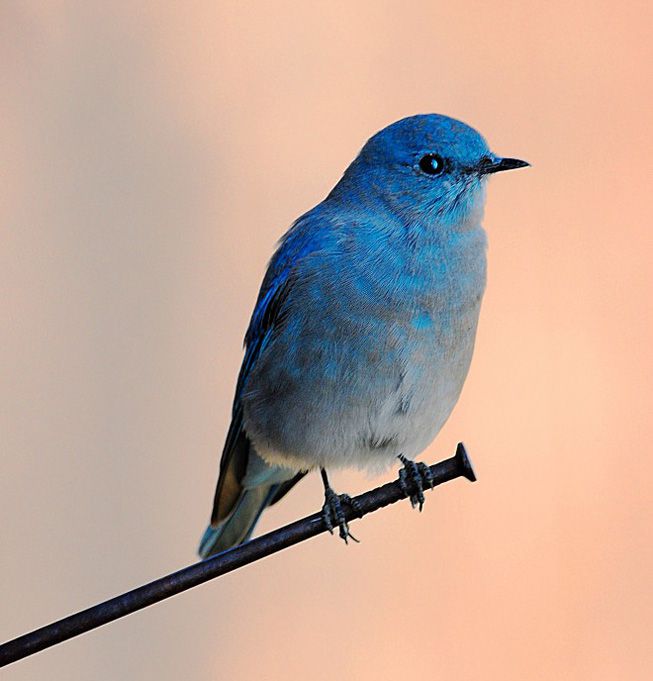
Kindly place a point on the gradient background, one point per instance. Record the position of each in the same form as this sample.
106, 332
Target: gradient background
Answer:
152, 153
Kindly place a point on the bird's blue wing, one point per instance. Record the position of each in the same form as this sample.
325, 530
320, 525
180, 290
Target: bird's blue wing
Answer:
269, 312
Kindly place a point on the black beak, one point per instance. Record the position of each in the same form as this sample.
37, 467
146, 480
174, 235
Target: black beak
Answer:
496, 165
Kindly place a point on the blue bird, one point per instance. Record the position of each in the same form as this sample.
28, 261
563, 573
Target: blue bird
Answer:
364, 327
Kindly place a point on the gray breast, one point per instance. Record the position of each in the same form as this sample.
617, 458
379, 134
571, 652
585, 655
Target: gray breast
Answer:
355, 380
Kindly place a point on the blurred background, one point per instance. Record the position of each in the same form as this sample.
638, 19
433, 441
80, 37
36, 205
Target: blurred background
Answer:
152, 153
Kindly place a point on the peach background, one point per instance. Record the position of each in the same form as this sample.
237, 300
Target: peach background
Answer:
151, 155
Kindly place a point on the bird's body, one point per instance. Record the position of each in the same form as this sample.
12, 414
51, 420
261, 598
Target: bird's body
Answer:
364, 328
376, 344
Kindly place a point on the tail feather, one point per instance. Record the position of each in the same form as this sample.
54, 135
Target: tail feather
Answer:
239, 525
247, 484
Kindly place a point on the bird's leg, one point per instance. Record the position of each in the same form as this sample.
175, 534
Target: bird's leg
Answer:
417, 474
332, 512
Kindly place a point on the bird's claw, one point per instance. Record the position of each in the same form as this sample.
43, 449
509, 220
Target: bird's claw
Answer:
414, 478
333, 513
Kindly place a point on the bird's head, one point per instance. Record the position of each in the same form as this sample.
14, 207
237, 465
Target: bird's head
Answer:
426, 167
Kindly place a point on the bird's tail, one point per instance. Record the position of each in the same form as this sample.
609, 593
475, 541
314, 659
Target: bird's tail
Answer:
239, 525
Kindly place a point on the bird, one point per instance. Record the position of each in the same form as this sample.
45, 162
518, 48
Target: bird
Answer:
363, 331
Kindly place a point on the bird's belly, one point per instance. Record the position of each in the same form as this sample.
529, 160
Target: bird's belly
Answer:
363, 401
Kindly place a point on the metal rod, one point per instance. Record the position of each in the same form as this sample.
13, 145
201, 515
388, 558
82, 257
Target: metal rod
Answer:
160, 589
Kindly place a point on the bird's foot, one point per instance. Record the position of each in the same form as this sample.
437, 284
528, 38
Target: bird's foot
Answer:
415, 476
333, 514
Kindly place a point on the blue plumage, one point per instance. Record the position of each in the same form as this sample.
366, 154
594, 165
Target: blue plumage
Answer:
364, 327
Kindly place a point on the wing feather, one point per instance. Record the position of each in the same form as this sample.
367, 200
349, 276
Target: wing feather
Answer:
269, 313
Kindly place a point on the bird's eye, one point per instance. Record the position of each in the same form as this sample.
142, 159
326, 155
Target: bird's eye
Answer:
431, 164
